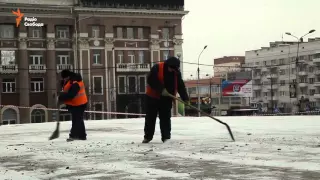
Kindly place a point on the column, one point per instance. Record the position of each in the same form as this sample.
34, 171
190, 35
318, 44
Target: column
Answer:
84, 65
24, 81
110, 64
177, 41
154, 48
51, 82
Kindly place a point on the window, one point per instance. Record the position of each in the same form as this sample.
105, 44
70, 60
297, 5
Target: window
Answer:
141, 57
37, 85
273, 62
282, 72
95, 31
265, 94
97, 85
35, 32
165, 33
131, 56
98, 106
120, 57
312, 92
97, 56
9, 116
142, 84
62, 32
119, 33
311, 80
311, 69
282, 93
8, 85
264, 62
7, 31
165, 55
281, 61
132, 84
282, 82
130, 33
36, 60
140, 33
63, 59
122, 84
8, 57
38, 116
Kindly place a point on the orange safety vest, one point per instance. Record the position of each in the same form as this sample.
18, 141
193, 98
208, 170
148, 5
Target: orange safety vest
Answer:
80, 98
153, 93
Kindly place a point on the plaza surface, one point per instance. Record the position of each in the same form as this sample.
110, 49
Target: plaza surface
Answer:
275, 147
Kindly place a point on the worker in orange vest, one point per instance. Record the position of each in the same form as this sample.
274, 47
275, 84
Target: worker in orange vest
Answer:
163, 79
75, 98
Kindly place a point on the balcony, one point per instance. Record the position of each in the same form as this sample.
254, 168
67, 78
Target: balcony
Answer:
256, 88
303, 73
317, 84
303, 84
256, 76
9, 69
317, 72
264, 69
317, 95
274, 86
272, 76
316, 60
132, 67
39, 68
61, 67
274, 98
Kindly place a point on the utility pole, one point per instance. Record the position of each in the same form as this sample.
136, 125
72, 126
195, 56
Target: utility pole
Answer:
271, 84
198, 90
300, 40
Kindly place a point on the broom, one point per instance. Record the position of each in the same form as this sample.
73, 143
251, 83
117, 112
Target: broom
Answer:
56, 132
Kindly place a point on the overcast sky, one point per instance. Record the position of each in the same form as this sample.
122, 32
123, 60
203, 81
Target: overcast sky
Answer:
231, 27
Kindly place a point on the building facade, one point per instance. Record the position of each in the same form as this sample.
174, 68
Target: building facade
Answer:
227, 64
221, 103
278, 81
115, 45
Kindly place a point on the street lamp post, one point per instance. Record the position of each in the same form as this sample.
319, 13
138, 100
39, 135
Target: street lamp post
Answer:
198, 90
300, 40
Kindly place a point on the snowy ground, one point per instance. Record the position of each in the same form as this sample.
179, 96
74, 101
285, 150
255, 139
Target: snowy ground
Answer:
265, 148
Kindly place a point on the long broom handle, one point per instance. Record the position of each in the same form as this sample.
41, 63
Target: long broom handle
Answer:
206, 114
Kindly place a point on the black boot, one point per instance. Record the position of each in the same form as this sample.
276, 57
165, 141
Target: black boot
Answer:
145, 141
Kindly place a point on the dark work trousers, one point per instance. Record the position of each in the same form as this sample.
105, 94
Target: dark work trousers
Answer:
153, 107
78, 129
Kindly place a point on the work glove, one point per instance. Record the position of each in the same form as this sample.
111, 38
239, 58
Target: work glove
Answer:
165, 92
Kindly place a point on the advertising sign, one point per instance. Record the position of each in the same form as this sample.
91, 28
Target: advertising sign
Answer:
239, 88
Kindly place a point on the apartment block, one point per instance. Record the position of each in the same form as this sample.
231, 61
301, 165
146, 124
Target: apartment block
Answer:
222, 103
112, 49
277, 75
227, 64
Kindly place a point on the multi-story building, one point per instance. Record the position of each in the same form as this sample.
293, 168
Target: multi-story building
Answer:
227, 64
276, 75
116, 44
222, 103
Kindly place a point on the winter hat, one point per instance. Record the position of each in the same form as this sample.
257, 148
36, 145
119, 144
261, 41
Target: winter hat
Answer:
66, 73
173, 63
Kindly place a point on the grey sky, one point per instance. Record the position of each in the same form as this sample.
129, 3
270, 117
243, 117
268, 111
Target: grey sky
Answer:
231, 27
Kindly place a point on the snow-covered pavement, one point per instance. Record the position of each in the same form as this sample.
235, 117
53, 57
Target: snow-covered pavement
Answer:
265, 148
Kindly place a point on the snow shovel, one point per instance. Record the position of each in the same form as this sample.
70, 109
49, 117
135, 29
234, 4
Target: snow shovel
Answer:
206, 114
56, 132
